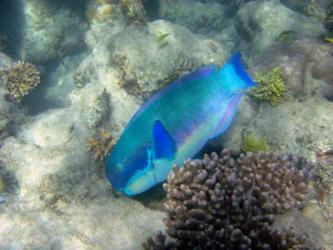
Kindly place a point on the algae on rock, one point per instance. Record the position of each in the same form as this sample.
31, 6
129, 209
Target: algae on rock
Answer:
254, 144
51, 31
261, 23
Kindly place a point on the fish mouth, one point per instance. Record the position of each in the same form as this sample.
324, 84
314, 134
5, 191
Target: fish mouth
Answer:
141, 181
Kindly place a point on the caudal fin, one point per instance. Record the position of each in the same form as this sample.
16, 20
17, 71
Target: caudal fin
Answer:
233, 75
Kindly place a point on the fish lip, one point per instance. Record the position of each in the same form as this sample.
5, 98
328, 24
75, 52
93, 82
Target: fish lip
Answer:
128, 192
140, 182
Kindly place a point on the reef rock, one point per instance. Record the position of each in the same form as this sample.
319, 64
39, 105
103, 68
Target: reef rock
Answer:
131, 63
195, 15
302, 123
4, 60
261, 23
179, 51
62, 199
50, 31
102, 223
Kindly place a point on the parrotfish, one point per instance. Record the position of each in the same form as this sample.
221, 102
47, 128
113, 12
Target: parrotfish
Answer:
174, 124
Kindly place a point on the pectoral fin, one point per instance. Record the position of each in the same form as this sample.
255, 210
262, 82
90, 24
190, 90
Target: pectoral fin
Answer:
164, 145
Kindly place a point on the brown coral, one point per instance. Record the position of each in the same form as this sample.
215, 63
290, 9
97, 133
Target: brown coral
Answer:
101, 145
159, 242
20, 79
134, 11
225, 203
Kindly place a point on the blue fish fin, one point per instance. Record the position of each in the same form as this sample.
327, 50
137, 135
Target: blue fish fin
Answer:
233, 75
229, 111
164, 145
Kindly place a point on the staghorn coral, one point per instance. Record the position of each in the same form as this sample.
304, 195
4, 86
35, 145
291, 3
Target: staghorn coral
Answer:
271, 86
20, 79
101, 145
254, 144
225, 203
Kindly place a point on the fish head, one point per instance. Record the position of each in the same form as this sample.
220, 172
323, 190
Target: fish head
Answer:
154, 173
136, 173
133, 168
131, 173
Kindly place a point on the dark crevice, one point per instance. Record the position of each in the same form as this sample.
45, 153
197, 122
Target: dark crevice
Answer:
152, 9
11, 25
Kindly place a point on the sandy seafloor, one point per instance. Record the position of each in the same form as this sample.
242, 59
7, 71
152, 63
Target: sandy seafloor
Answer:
99, 60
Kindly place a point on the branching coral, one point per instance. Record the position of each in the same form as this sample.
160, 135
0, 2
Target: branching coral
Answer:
271, 86
20, 79
225, 203
159, 242
254, 144
101, 145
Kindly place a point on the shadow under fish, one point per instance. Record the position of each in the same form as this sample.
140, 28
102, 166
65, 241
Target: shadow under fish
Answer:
174, 124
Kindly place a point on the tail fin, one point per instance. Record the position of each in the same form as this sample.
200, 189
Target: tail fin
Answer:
233, 75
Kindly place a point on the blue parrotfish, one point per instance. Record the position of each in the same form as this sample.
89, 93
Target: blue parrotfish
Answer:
174, 124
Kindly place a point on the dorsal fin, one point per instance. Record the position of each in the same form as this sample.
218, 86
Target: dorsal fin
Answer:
164, 145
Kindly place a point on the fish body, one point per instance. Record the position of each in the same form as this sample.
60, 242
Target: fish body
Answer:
174, 124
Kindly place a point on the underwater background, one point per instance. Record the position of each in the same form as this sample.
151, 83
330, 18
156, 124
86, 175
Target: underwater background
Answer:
73, 73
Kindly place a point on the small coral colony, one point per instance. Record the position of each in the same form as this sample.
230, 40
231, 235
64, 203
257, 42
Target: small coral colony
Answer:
226, 200
20, 79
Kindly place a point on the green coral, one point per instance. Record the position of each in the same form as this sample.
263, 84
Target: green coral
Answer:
161, 37
251, 143
271, 86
